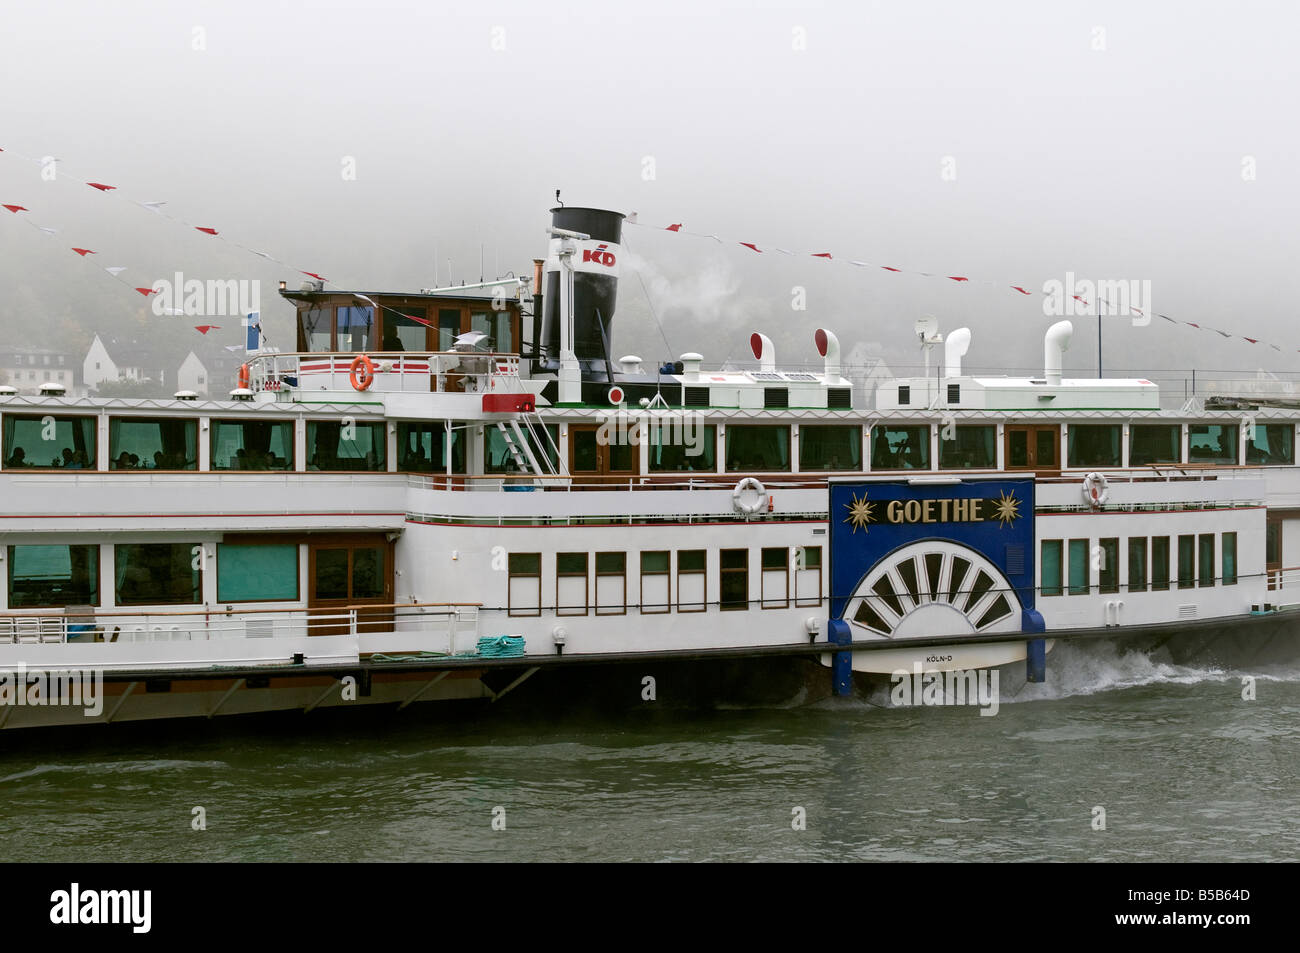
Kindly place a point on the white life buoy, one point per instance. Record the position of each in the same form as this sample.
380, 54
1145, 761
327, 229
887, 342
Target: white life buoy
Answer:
1095, 489
754, 505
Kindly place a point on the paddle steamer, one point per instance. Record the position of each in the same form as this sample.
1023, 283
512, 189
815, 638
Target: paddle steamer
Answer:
460, 494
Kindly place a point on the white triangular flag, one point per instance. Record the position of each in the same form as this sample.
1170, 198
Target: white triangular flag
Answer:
115, 270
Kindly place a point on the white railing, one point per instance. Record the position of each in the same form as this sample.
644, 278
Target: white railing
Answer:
400, 371
440, 623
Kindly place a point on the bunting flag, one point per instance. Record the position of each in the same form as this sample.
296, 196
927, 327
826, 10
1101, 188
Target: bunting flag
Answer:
83, 252
205, 328
15, 208
963, 279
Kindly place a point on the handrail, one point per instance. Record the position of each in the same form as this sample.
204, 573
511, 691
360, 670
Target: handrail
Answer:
213, 610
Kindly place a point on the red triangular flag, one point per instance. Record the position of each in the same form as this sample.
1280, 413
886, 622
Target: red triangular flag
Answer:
957, 278
205, 328
753, 246
1020, 289
1251, 340
101, 186
16, 208
887, 268
83, 252
146, 291
209, 231
821, 254
310, 274
674, 228
1190, 325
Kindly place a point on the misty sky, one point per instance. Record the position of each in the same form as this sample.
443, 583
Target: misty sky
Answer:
1122, 162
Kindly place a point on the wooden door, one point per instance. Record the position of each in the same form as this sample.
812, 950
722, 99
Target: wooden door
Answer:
345, 572
592, 457
1032, 447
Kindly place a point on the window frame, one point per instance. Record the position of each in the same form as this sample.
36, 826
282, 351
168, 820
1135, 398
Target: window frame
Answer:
667, 573
512, 575
703, 571
572, 611
598, 573
725, 605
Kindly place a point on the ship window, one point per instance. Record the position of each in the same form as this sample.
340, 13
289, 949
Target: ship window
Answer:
157, 574
1137, 564
904, 394
482, 321
656, 596
1155, 443
143, 443
808, 576
611, 583
1094, 445
775, 581
315, 330
49, 576
830, 448
900, 448
969, 447
571, 583
253, 572
691, 580
497, 457
448, 327
1206, 564
1272, 444
334, 445
1108, 567
504, 338
1186, 562
421, 448
405, 328
252, 445
356, 328
525, 584
1080, 567
1159, 562
760, 448
1212, 443
734, 580
1229, 559
682, 443
1051, 567
65, 443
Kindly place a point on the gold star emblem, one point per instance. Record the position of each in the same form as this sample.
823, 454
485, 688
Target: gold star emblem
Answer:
1006, 508
859, 512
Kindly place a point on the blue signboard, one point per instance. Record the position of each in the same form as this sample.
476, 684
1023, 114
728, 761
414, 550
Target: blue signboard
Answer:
964, 545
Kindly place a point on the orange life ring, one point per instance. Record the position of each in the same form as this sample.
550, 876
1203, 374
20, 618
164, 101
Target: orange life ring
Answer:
367, 376
243, 376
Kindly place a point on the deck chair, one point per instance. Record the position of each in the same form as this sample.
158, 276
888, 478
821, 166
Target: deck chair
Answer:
6, 631
51, 630
27, 629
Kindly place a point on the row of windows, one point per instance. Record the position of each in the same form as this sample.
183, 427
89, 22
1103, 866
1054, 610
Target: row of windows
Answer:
141, 443
786, 576
156, 574
401, 328
1073, 566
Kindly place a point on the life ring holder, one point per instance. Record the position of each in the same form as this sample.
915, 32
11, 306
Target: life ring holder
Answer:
754, 506
362, 372
1096, 489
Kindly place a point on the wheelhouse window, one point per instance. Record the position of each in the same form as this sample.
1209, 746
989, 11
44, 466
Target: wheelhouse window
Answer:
335, 445
525, 584
734, 580
51, 576
1212, 443
48, 442
758, 448
497, 457
255, 572
970, 447
157, 574
1094, 445
316, 329
900, 448
830, 448
423, 448
1273, 444
147, 443
356, 327
405, 328
1155, 443
252, 445
448, 327
682, 444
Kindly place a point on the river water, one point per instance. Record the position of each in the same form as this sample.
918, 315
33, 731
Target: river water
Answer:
1183, 767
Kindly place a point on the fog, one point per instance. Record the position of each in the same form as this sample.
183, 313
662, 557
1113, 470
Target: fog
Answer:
1013, 141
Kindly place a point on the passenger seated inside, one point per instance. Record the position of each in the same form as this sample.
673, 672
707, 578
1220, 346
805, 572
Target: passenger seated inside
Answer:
18, 459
